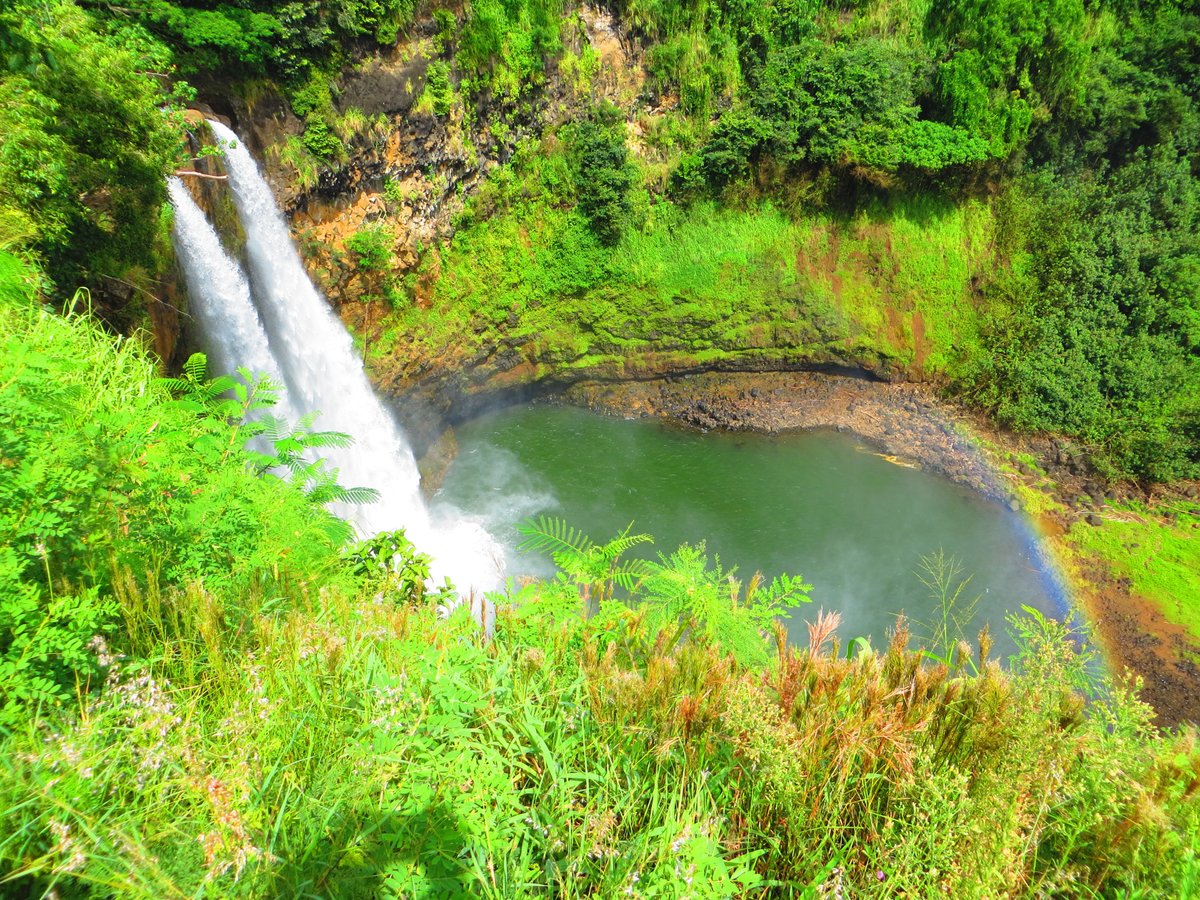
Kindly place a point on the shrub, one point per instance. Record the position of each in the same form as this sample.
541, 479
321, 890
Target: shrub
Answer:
439, 93
109, 484
320, 140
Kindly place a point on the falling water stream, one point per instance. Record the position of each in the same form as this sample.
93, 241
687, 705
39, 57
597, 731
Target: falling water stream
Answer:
232, 333
315, 358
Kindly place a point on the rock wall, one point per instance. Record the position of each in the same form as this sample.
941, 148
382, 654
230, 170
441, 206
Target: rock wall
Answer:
410, 172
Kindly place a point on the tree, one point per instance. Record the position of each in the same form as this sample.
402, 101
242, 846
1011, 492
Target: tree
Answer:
603, 177
1006, 64
83, 158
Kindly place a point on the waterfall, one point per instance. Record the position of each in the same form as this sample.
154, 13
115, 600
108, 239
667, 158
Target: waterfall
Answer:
323, 373
232, 333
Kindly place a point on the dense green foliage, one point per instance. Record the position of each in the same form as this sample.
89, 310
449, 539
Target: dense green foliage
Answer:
503, 44
1075, 127
119, 484
603, 178
281, 38
696, 284
82, 157
206, 691
835, 105
1007, 63
1098, 325
805, 84
1098, 313
437, 87
1094, 298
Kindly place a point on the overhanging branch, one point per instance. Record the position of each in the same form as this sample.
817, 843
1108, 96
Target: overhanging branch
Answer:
200, 174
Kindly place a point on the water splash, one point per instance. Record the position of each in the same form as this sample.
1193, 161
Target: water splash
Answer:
324, 373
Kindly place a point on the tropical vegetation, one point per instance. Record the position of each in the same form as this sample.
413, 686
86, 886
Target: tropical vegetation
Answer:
209, 687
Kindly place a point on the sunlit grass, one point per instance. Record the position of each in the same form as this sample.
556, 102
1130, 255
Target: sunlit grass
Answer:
719, 282
1157, 549
367, 749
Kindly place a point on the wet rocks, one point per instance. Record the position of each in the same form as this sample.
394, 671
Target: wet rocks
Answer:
905, 422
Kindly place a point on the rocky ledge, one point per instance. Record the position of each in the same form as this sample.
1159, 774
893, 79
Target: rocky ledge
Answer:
906, 422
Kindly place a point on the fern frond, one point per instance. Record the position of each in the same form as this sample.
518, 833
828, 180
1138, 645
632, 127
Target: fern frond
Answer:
196, 367
684, 588
260, 461
275, 428
631, 572
359, 495
783, 592
186, 405
336, 439
325, 492
339, 531
217, 386
550, 534
263, 397
624, 542
304, 470
253, 428
175, 386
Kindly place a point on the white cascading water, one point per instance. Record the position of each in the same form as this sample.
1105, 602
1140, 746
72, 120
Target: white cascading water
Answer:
323, 373
233, 334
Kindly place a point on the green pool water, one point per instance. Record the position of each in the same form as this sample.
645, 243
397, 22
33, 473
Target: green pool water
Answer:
818, 504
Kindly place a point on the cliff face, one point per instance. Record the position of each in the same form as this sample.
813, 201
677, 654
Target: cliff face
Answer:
406, 173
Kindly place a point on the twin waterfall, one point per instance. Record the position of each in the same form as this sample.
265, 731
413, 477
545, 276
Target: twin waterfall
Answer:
278, 324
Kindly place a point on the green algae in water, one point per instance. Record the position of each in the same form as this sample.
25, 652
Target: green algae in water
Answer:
818, 504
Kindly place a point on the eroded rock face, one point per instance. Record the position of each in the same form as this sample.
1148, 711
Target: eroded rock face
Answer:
405, 168
410, 176
384, 86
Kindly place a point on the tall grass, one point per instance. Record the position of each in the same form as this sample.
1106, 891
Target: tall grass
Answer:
294, 154
356, 748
